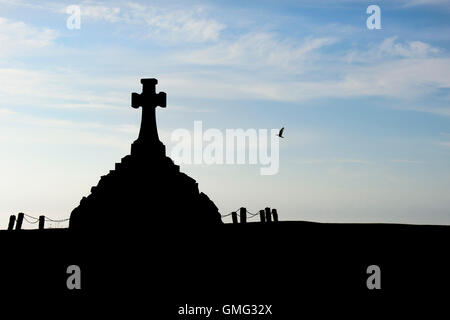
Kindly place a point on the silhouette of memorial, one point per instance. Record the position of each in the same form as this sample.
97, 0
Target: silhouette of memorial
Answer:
146, 187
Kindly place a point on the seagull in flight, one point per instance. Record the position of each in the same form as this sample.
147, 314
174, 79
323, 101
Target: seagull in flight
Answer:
280, 134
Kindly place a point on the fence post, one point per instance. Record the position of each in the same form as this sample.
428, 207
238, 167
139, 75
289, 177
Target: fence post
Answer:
41, 222
19, 221
12, 220
268, 216
243, 215
275, 215
262, 216
234, 217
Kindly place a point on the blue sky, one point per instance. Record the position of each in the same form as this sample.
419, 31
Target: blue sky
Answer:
366, 112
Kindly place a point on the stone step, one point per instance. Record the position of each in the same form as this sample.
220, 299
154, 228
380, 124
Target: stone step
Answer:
126, 159
102, 179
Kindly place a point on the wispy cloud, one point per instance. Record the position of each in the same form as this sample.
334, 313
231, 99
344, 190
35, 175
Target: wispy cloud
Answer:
257, 50
411, 49
30, 129
441, 111
101, 12
265, 66
405, 79
19, 38
178, 24
413, 3
392, 49
53, 89
170, 23
406, 161
335, 161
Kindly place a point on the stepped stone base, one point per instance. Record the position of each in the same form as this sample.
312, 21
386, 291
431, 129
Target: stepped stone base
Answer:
145, 189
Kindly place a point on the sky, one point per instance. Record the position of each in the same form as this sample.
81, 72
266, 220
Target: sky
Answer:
366, 112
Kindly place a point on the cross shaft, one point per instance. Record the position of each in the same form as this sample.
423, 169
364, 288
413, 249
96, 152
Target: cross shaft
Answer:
148, 100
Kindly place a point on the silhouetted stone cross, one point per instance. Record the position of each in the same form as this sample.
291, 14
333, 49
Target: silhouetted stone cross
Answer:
148, 100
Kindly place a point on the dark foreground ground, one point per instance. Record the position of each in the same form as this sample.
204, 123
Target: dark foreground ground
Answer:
290, 265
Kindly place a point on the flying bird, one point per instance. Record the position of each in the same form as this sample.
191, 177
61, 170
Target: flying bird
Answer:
280, 134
